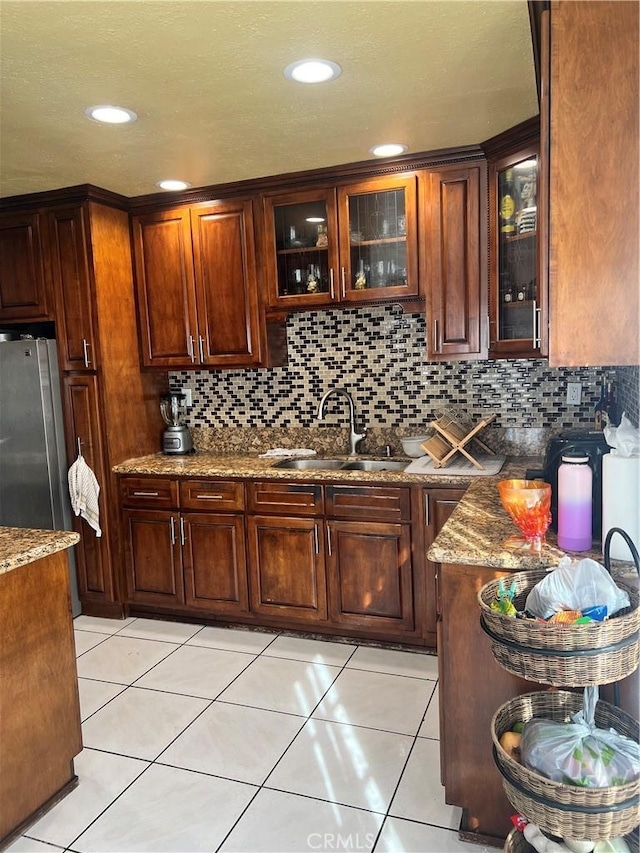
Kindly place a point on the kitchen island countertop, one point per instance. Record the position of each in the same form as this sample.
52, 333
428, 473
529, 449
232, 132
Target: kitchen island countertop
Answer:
475, 532
22, 545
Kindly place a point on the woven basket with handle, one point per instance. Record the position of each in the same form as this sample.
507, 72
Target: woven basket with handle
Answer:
561, 655
558, 808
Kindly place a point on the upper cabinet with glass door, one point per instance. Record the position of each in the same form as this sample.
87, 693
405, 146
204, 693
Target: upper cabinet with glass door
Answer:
356, 243
515, 304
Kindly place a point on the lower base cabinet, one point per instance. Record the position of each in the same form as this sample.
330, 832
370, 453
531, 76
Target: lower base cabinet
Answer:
153, 558
370, 576
215, 568
338, 558
287, 568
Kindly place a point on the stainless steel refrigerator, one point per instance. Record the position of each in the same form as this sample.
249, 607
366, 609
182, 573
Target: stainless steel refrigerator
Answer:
34, 488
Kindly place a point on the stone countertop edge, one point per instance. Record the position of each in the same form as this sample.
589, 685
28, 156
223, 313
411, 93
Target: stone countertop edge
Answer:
248, 466
22, 545
477, 528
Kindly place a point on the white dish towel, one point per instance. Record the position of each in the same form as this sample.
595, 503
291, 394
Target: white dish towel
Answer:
84, 490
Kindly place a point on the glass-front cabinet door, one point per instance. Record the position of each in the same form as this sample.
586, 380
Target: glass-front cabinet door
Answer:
302, 248
378, 239
515, 304
354, 243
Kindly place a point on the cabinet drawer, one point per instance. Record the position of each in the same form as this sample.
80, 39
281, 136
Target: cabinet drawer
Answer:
299, 499
212, 495
373, 503
152, 492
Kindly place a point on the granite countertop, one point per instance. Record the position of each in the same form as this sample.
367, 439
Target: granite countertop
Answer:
21, 545
252, 466
475, 532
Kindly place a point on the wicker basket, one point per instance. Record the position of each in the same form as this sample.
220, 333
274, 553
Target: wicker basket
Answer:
561, 655
557, 808
517, 843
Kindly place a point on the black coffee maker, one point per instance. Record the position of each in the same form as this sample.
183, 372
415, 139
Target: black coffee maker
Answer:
589, 443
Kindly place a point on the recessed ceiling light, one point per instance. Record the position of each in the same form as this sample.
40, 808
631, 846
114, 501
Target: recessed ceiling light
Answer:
315, 219
312, 70
391, 149
110, 115
173, 185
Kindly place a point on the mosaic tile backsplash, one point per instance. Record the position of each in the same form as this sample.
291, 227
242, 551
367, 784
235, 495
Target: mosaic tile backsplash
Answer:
378, 354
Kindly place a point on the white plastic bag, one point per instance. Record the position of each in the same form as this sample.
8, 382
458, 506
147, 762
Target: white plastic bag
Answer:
625, 439
579, 753
574, 586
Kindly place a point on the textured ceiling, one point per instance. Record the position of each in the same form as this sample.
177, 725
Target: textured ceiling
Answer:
206, 80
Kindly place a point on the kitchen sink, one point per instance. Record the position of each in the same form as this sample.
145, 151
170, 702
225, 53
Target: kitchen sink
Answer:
375, 465
311, 464
343, 464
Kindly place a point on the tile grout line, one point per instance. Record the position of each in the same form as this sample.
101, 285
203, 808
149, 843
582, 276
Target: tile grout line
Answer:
255, 656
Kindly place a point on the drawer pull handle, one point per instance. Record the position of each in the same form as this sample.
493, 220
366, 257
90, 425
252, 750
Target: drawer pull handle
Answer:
146, 494
210, 497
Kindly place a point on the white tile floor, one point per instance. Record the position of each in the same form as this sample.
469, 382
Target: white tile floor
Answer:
217, 739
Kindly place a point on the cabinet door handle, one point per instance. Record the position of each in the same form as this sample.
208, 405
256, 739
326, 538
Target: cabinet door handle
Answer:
331, 287
427, 512
209, 497
315, 537
183, 538
343, 277
190, 348
201, 347
536, 325
436, 343
79, 444
145, 494
85, 352
172, 523
329, 539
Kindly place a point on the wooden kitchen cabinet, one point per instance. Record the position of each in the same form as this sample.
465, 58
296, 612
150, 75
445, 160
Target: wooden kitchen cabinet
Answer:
518, 299
24, 283
438, 504
153, 557
472, 686
70, 249
287, 568
454, 261
352, 243
370, 576
84, 434
369, 559
285, 543
590, 96
196, 285
175, 557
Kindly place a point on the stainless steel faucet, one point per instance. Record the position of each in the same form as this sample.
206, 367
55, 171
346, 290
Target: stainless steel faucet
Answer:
354, 436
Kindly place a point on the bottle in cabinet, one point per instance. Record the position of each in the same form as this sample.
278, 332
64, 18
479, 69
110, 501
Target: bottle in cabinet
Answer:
515, 311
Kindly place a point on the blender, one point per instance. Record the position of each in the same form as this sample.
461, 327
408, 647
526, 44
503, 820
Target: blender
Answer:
176, 438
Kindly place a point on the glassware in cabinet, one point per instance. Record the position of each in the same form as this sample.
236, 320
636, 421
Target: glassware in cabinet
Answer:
302, 248
378, 239
515, 305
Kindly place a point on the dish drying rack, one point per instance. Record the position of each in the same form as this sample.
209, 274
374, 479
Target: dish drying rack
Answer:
453, 432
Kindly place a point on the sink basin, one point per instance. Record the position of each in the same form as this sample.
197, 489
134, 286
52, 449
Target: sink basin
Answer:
311, 464
375, 465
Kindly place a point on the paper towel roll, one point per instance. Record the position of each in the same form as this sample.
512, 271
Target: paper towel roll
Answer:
621, 501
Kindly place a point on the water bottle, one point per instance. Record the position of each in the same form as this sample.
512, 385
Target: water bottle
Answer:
575, 503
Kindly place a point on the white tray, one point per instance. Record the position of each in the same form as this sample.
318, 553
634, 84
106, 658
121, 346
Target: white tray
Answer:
457, 466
